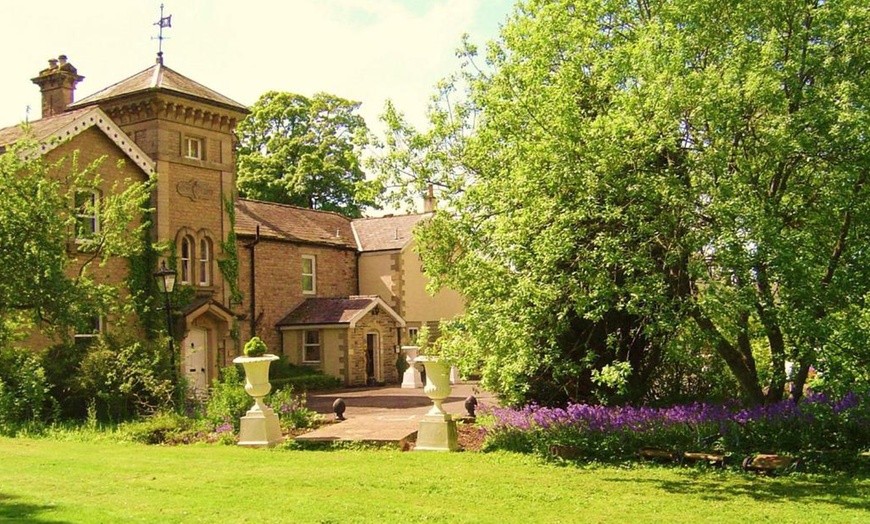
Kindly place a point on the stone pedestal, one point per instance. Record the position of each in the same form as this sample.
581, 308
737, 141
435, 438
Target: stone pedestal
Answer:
259, 427
437, 433
454, 375
411, 378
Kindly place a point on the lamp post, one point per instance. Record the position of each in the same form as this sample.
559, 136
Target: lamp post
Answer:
165, 278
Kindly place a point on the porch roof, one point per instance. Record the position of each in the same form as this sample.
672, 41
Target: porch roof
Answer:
344, 311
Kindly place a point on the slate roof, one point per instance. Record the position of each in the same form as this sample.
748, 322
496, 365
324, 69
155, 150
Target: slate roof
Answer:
160, 78
42, 128
292, 223
387, 232
319, 311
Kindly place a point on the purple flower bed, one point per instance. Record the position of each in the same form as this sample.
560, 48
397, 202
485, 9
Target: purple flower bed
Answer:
818, 423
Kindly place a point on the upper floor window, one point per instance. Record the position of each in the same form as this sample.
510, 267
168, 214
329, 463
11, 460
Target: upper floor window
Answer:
186, 260
311, 347
309, 274
204, 262
193, 147
89, 329
87, 212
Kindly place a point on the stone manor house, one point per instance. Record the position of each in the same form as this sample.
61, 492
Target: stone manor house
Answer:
319, 288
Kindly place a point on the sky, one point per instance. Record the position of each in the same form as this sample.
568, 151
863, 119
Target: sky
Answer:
364, 50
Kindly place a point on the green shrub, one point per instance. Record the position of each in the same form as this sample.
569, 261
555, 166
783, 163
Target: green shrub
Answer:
255, 348
291, 409
228, 401
163, 428
283, 374
126, 378
24, 397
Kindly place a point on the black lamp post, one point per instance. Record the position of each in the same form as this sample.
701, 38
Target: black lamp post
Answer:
165, 278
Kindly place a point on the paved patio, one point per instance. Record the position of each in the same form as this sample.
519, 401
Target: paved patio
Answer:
385, 414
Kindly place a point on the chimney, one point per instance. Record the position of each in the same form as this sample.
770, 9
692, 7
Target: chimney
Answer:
429, 200
57, 84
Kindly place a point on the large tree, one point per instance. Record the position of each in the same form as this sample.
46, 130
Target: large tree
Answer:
306, 152
629, 179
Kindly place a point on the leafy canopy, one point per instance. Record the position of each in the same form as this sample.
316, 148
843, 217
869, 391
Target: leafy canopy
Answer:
650, 182
306, 152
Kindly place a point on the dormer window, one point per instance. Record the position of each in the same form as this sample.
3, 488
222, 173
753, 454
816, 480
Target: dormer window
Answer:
193, 147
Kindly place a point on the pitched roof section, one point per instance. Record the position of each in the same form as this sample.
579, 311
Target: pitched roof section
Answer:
160, 78
335, 311
387, 232
42, 129
55, 130
291, 223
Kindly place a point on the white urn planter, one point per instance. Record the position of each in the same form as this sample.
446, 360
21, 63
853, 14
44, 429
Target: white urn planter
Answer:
437, 385
411, 377
259, 426
437, 429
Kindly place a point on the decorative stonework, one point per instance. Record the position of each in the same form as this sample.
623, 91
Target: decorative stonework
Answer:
195, 190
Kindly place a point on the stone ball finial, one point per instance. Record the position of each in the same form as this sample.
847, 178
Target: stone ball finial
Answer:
338, 407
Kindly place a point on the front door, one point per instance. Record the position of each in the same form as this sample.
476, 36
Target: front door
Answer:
373, 359
194, 355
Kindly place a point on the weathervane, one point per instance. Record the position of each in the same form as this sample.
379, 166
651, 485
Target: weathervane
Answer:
165, 21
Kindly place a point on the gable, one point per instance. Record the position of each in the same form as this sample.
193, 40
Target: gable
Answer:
50, 133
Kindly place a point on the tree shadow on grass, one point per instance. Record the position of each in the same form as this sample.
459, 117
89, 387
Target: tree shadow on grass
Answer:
845, 493
11, 510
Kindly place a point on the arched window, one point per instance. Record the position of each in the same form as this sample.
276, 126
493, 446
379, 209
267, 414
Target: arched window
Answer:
186, 260
204, 262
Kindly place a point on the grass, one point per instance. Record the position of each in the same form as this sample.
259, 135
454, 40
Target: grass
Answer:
52, 481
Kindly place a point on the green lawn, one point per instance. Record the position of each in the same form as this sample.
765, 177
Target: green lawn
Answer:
53, 481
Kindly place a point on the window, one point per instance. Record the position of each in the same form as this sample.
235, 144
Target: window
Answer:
309, 275
412, 335
89, 329
87, 211
186, 260
204, 262
311, 346
193, 148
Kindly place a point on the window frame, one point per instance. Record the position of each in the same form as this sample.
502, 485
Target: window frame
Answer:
185, 273
413, 334
312, 275
99, 328
204, 262
187, 142
82, 214
306, 345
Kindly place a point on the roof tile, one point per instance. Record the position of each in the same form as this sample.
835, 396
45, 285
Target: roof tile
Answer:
386, 233
317, 311
159, 77
291, 223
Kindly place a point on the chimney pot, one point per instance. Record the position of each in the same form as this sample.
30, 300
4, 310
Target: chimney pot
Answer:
429, 202
57, 84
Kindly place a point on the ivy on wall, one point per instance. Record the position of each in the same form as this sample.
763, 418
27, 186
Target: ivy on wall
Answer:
144, 295
229, 261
